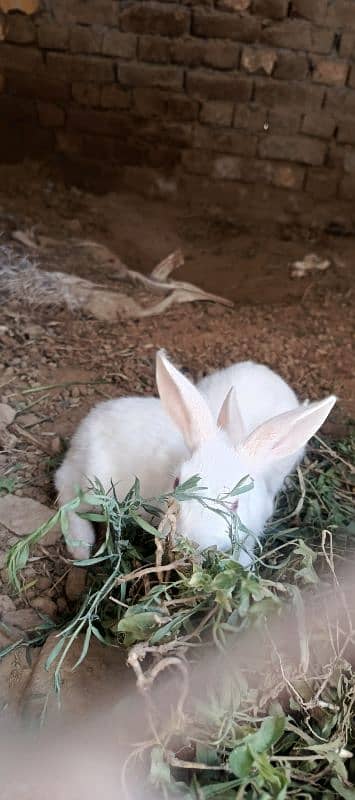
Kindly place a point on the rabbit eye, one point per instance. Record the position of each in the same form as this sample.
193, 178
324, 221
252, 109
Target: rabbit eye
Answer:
176, 482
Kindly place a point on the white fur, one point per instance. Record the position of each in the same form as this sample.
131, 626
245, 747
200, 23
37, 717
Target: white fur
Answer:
233, 424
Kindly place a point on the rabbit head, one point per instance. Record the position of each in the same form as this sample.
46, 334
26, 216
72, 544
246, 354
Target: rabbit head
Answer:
222, 454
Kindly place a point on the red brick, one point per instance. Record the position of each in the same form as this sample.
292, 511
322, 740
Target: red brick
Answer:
347, 187
123, 45
149, 17
349, 161
288, 176
86, 94
225, 141
188, 51
113, 96
291, 66
155, 49
221, 55
52, 36
105, 122
233, 5
166, 131
336, 155
151, 76
87, 12
195, 52
346, 131
271, 9
215, 113
155, 103
330, 71
20, 58
257, 118
279, 93
80, 68
258, 60
251, 117
347, 45
341, 14
227, 168
284, 120
84, 39
210, 86
322, 183
293, 148
256, 171
69, 142
226, 26
50, 115
198, 162
33, 85
296, 34
321, 124
138, 154
340, 101
314, 10
13, 109
20, 29
99, 147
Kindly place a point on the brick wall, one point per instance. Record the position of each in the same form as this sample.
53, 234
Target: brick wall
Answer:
225, 96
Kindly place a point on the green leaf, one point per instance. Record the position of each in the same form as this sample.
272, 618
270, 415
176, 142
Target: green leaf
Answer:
54, 653
137, 627
159, 769
347, 792
99, 635
207, 755
8, 484
270, 731
85, 648
146, 526
241, 761
22, 556
225, 581
222, 790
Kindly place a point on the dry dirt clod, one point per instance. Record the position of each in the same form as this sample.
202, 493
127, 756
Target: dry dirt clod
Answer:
45, 606
22, 515
43, 583
62, 605
6, 605
23, 618
7, 415
75, 583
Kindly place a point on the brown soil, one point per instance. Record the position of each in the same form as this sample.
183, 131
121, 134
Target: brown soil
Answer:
303, 328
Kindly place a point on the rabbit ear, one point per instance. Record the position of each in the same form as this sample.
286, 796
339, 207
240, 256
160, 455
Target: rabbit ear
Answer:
184, 403
283, 435
230, 418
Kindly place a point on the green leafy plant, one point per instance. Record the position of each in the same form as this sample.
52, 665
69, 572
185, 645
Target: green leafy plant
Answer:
264, 735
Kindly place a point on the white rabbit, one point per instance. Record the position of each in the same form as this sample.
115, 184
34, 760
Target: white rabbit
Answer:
243, 420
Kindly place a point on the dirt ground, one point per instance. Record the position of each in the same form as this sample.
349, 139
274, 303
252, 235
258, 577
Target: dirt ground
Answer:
303, 328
